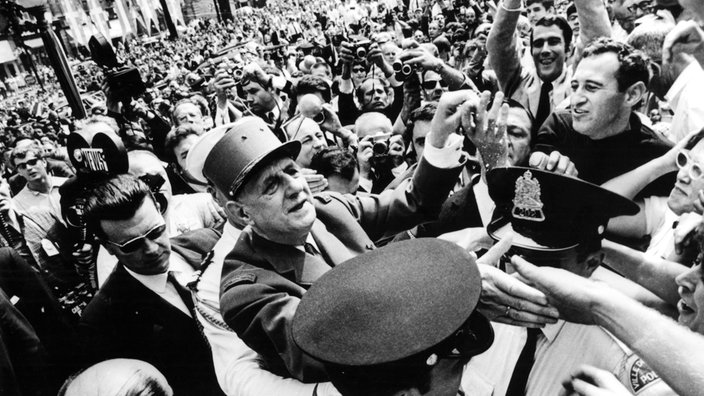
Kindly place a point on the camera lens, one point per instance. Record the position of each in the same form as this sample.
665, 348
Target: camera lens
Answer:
237, 74
380, 148
406, 69
319, 118
361, 52
398, 66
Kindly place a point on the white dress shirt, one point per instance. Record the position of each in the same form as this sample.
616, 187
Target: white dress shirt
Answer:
685, 100
160, 285
561, 348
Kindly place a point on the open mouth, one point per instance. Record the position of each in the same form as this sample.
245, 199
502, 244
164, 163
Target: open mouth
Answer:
297, 207
547, 61
684, 308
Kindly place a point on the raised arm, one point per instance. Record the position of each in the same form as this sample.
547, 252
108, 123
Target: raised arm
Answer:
501, 44
593, 23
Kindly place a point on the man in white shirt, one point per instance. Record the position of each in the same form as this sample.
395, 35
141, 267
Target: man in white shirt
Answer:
42, 189
558, 222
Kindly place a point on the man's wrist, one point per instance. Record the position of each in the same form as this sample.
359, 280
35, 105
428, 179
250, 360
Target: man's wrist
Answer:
513, 6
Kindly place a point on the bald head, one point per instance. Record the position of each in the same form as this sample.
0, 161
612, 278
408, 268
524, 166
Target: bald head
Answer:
373, 123
118, 377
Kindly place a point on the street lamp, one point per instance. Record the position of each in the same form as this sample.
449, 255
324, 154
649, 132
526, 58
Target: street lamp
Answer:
57, 57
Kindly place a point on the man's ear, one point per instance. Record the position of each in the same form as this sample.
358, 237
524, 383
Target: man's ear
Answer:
239, 212
635, 93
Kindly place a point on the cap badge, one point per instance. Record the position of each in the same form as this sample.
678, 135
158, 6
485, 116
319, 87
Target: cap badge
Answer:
526, 201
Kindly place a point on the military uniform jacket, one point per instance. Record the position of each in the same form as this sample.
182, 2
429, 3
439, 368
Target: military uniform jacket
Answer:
263, 281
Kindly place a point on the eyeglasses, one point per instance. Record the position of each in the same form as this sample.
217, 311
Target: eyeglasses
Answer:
695, 170
645, 6
135, 243
24, 165
358, 70
431, 84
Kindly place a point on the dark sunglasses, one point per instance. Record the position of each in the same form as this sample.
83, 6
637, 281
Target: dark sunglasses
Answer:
31, 162
432, 84
135, 243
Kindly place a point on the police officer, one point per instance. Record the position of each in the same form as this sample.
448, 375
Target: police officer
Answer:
387, 323
557, 221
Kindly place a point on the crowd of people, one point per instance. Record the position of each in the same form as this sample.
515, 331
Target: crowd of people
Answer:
416, 197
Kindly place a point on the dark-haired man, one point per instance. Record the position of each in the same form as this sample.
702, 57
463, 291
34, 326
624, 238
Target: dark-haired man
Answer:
600, 133
541, 89
142, 311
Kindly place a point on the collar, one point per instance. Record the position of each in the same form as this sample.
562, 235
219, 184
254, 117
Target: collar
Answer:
155, 283
230, 232
310, 240
53, 183
551, 330
282, 258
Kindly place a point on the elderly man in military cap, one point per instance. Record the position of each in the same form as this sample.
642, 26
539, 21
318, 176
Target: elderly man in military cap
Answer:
556, 221
292, 237
387, 323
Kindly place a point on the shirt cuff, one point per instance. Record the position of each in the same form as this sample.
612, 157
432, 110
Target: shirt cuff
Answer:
690, 73
346, 86
365, 184
222, 116
447, 157
393, 81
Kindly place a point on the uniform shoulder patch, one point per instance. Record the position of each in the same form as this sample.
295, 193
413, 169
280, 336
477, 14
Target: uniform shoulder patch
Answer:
238, 279
641, 376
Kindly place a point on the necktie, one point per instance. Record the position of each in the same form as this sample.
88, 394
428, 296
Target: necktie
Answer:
543, 105
519, 378
182, 292
310, 249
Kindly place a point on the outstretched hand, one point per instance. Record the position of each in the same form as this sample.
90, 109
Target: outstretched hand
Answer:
487, 129
505, 299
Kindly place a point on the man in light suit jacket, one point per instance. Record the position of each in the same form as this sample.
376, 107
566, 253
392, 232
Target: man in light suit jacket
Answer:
143, 311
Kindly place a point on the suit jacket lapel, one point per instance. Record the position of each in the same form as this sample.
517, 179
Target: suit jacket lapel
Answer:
289, 262
146, 299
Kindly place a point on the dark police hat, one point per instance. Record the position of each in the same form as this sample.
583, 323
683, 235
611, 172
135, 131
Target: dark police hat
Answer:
245, 147
394, 303
550, 212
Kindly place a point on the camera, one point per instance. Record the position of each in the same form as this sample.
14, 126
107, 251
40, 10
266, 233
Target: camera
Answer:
237, 72
124, 82
361, 48
381, 146
402, 70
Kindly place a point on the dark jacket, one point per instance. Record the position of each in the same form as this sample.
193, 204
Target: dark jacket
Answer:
262, 281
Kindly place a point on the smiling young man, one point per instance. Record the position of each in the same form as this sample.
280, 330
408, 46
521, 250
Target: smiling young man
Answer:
541, 89
600, 133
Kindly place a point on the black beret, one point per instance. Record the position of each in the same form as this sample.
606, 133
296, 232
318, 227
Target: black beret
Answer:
550, 212
390, 304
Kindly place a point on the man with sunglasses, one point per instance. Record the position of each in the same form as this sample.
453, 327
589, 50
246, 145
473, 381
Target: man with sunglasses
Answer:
42, 189
143, 311
433, 86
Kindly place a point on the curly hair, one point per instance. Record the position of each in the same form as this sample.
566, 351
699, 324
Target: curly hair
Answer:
633, 64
